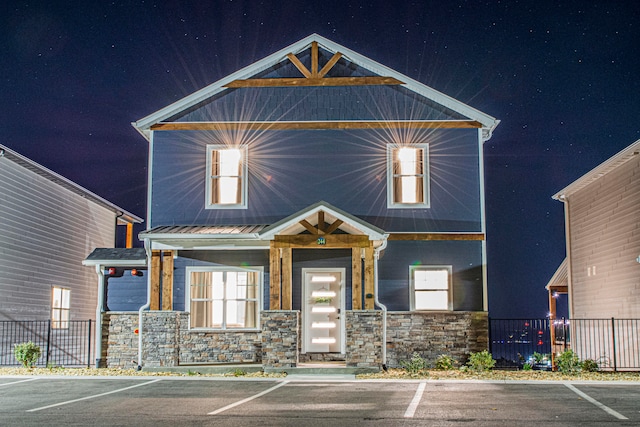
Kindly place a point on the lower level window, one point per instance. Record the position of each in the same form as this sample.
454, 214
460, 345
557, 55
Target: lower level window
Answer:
60, 307
223, 298
430, 287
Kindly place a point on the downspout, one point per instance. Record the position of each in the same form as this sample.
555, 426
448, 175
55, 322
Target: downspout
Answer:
99, 311
567, 231
146, 305
376, 256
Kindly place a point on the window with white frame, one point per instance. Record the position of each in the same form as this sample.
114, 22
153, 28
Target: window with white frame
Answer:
430, 287
227, 177
407, 176
223, 297
60, 307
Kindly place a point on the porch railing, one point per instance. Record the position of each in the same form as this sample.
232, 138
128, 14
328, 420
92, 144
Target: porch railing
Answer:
67, 343
612, 343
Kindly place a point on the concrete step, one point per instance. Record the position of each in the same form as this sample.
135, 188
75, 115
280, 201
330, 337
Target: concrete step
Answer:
310, 369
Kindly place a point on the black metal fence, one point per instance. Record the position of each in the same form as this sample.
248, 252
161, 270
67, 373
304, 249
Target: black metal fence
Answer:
69, 344
612, 343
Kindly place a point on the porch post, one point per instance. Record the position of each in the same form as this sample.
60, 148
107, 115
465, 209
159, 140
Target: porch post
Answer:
167, 280
286, 279
356, 279
369, 287
155, 280
274, 276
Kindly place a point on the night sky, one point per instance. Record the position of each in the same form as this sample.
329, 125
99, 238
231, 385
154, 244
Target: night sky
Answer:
562, 76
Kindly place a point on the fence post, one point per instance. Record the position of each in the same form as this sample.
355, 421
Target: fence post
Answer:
89, 346
613, 338
489, 334
48, 342
564, 334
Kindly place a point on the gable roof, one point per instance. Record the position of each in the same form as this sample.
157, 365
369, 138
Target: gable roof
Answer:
349, 223
124, 217
604, 168
487, 122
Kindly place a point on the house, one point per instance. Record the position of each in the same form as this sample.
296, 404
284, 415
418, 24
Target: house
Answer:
601, 272
48, 225
312, 206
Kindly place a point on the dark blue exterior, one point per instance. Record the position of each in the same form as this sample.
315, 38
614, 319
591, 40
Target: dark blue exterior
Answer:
290, 170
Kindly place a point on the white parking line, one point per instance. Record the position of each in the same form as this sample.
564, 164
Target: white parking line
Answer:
588, 398
92, 396
21, 381
240, 402
411, 410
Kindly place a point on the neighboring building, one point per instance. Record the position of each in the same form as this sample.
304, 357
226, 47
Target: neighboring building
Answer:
601, 272
313, 206
48, 225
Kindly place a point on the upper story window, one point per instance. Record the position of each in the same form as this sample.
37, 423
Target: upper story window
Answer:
407, 176
60, 307
430, 287
223, 297
227, 177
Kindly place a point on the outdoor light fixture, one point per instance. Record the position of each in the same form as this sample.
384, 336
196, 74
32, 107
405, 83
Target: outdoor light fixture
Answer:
136, 272
112, 271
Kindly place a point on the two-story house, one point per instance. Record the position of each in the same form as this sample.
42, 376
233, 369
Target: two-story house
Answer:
315, 205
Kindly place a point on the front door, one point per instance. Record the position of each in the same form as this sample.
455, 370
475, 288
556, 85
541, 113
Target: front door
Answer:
323, 310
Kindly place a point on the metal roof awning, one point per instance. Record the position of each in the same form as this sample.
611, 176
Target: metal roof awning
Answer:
117, 257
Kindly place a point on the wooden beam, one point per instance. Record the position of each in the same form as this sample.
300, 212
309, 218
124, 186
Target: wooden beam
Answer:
333, 227
321, 222
287, 302
167, 280
299, 65
274, 277
310, 228
322, 125
369, 288
329, 65
314, 59
129, 237
435, 236
356, 279
155, 280
314, 81
330, 241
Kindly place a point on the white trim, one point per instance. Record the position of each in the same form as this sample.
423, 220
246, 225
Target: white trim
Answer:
483, 224
426, 179
244, 177
150, 179
412, 268
203, 268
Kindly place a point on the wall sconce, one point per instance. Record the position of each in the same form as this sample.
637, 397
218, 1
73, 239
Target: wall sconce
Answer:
112, 271
136, 272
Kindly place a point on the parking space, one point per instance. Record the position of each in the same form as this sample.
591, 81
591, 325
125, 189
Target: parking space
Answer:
158, 401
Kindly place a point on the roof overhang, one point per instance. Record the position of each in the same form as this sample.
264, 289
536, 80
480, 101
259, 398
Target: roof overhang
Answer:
603, 169
117, 257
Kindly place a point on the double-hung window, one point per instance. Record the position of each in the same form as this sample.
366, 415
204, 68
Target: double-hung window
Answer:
227, 177
408, 176
60, 307
223, 297
430, 287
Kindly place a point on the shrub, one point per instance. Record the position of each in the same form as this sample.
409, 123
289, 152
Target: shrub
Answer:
526, 367
589, 365
415, 365
445, 363
481, 361
538, 357
27, 353
568, 362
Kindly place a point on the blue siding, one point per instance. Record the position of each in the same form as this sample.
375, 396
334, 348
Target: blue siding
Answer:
126, 293
290, 170
465, 257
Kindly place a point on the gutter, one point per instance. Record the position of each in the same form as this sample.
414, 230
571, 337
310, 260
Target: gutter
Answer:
376, 256
146, 305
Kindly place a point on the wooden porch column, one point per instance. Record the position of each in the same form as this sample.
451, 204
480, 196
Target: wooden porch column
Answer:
155, 280
167, 280
274, 277
368, 278
356, 279
129, 238
287, 301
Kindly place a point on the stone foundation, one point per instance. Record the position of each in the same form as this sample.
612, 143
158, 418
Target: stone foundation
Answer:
168, 341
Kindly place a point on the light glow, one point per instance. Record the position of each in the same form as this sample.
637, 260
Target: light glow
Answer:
323, 325
323, 340
320, 294
229, 170
408, 159
317, 309
323, 279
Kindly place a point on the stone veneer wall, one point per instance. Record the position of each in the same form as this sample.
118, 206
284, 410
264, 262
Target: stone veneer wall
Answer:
280, 338
364, 339
168, 342
431, 334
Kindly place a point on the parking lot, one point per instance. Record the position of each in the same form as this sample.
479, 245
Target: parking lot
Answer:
155, 401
